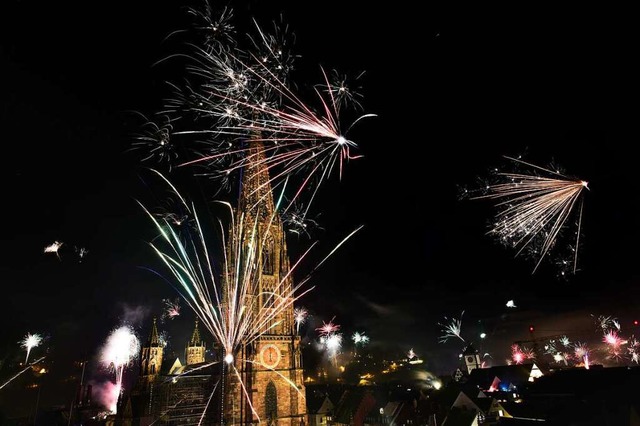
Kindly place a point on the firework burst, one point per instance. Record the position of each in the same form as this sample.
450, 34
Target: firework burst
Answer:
29, 342
300, 316
534, 207
519, 354
121, 347
297, 222
171, 308
360, 339
54, 248
154, 140
451, 328
241, 90
328, 328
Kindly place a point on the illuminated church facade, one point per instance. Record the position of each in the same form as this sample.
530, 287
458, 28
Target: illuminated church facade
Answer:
267, 386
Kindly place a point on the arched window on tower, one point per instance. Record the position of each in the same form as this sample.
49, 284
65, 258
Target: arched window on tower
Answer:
268, 256
271, 404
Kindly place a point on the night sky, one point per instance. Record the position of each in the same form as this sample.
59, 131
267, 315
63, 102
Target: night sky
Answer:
454, 89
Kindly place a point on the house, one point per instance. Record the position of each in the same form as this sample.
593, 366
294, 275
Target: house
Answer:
398, 413
320, 410
354, 406
505, 378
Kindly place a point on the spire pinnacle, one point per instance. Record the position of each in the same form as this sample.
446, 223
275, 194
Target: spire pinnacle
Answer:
195, 337
154, 340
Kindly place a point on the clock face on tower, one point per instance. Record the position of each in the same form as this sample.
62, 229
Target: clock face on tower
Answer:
270, 356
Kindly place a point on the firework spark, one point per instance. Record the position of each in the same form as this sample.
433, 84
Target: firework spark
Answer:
564, 340
29, 342
155, 140
451, 328
634, 349
328, 328
297, 222
121, 347
580, 350
300, 316
81, 252
519, 354
54, 248
171, 308
534, 208
605, 323
612, 339
360, 338
344, 90
511, 304
332, 343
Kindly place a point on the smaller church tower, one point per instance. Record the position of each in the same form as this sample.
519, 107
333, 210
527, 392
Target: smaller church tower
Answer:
471, 358
194, 353
151, 356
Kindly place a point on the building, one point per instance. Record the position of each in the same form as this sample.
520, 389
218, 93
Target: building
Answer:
471, 358
168, 392
265, 382
274, 377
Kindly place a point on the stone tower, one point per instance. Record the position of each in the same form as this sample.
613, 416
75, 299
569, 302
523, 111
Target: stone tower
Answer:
274, 377
194, 353
151, 356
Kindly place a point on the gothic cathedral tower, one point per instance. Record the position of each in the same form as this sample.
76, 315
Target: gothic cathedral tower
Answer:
194, 354
151, 357
275, 375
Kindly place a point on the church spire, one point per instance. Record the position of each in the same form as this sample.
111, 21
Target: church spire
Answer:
255, 193
154, 340
195, 337
195, 350
151, 355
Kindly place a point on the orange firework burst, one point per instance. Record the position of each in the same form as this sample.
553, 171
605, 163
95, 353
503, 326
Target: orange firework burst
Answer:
534, 208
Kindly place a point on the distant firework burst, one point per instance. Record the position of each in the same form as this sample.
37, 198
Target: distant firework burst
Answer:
534, 208
121, 347
54, 248
328, 328
360, 339
451, 328
29, 342
300, 316
171, 308
520, 354
297, 222
344, 90
606, 322
154, 139
332, 343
